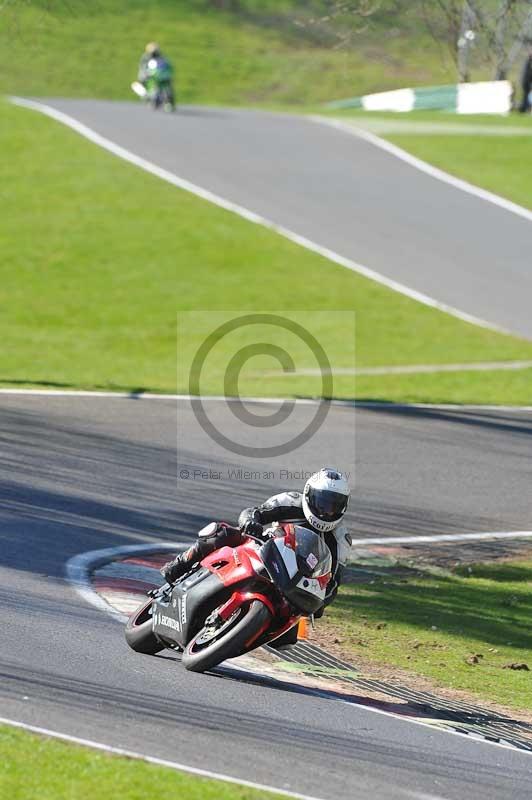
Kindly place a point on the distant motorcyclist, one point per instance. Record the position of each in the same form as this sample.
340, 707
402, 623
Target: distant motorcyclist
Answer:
152, 52
154, 63
321, 507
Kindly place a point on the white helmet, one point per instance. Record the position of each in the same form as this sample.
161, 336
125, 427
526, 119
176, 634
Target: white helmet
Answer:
325, 499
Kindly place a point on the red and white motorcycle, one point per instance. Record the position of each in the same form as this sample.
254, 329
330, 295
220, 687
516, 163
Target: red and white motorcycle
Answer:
236, 599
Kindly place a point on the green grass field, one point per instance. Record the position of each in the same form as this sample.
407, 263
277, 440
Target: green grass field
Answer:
90, 298
72, 48
431, 624
33, 766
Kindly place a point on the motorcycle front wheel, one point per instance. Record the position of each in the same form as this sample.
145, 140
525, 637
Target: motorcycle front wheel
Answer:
139, 634
232, 638
168, 100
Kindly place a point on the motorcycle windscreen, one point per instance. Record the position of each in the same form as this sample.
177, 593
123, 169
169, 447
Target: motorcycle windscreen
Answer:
295, 565
280, 562
313, 556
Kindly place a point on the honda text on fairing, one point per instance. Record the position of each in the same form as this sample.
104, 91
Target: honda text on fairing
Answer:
236, 599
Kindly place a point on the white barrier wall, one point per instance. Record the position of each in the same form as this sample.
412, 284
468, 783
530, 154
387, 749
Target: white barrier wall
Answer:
399, 100
488, 97
484, 97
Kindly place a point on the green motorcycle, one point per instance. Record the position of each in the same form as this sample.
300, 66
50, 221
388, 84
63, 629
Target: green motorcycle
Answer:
157, 88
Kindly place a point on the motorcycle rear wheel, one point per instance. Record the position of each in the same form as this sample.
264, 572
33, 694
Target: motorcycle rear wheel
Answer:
139, 634
203, 653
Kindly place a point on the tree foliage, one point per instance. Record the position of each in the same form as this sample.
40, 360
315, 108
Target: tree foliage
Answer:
481, 31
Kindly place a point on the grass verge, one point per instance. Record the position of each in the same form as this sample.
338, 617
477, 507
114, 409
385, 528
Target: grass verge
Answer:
491, 387
91, 297
34, 766
459, 629
76, 49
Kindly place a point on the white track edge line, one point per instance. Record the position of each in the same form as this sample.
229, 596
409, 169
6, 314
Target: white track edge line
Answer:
444, 537
251, 216
266, 400
161, 762
405, 369
77, 569
425, 167
471, 737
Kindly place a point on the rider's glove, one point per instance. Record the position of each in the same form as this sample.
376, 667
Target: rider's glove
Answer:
249, 522
252, 528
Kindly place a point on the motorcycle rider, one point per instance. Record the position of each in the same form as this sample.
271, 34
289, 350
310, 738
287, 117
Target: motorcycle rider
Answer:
321, 507
152, 52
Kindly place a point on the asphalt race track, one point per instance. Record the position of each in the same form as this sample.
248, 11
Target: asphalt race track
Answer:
81, 474
342, 193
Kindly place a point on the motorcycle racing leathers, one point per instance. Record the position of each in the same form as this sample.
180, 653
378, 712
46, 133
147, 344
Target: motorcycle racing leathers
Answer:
145, 66
283, 507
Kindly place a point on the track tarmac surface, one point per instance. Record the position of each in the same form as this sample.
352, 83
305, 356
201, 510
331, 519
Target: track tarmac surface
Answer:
343, 193
81, 474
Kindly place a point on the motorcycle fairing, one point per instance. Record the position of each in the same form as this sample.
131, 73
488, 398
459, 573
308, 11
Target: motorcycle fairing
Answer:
231, 577
292, 575
178, 618
238, 599
234, 564
275, 627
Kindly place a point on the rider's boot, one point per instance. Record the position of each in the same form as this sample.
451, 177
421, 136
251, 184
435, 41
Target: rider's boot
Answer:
210, 538
184, 562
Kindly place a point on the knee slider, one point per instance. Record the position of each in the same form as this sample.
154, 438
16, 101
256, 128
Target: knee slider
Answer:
208, 531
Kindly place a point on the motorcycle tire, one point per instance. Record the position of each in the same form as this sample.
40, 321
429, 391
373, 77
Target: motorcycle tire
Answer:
139, 634
234, 641
168, 101
155, 100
